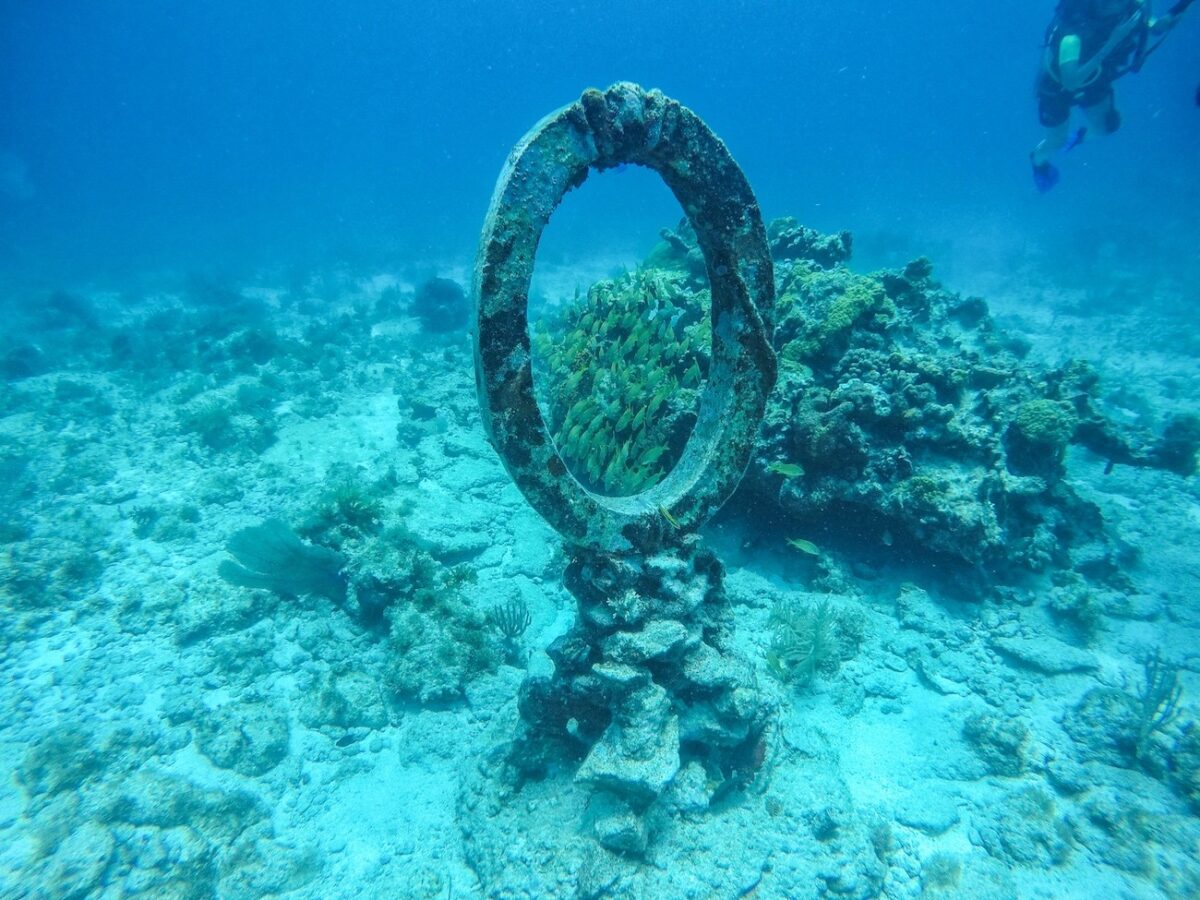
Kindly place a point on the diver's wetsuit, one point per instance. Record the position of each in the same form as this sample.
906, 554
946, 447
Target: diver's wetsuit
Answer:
1074, 17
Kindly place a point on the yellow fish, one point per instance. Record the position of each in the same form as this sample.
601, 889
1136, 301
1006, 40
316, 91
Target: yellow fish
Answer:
805, 546
787, 470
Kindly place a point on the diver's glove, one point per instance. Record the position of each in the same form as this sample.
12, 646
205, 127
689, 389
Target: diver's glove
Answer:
1045, 175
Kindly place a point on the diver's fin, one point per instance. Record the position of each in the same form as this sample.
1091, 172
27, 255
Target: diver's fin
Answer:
1045, 175
1076, 138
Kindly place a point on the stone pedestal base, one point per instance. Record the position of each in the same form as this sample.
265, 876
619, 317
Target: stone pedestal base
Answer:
645, 687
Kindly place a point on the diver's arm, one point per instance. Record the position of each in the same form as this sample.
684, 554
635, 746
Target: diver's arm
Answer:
1163, 24
1069, 49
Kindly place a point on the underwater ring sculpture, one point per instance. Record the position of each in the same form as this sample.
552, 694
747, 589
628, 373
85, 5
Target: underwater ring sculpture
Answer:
626, 124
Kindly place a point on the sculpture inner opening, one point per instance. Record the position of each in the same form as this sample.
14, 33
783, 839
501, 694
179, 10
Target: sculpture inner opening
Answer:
621, 336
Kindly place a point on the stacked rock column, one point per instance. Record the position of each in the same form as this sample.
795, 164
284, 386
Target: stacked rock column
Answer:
645, 681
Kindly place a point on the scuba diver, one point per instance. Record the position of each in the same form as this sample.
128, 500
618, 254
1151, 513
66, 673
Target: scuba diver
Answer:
1089, 45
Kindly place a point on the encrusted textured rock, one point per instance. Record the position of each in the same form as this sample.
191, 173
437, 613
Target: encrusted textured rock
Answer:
1046, 655
627, 124
644, 682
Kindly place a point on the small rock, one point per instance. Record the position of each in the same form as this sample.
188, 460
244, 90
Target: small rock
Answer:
623, 833
928, 811
689, 792
249, 738
658, 639
1000, 743
638, 754
81, 861
1046, 655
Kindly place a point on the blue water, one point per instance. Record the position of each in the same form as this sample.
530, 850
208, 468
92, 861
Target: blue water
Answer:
274, 620
138, 136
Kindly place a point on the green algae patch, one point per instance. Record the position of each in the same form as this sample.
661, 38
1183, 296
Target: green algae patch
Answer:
1038, 436
819, 308
1050, 423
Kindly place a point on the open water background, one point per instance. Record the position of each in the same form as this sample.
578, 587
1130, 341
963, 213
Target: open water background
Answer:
139, 137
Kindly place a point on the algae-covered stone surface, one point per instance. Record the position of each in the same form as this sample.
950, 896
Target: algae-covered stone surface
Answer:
272, 607
621, 126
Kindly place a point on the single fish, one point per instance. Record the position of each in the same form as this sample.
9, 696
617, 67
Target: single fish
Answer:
786, 469
805, 546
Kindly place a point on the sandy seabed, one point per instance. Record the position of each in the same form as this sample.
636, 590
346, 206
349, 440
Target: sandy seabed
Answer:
171, 734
